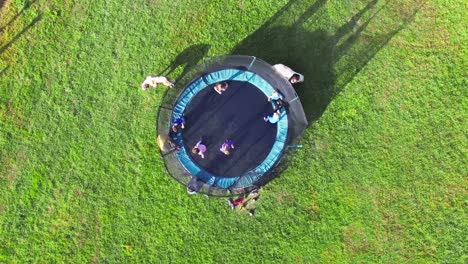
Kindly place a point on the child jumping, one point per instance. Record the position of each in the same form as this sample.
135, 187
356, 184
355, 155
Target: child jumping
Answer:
227, 146
199, 149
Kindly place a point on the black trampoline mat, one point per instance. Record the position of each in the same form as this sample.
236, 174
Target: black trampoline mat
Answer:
237, 114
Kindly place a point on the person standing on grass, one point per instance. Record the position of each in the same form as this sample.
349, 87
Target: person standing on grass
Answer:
250, 201
245, 203
234, 203
227, 146
290, 75
151, 81
199, 149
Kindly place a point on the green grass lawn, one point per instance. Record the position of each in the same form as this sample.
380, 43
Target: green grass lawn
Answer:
382, 177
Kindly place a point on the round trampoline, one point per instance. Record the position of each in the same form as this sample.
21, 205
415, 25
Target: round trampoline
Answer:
238, 115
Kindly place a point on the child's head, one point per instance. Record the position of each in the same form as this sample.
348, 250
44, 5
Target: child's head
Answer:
174, 128
145, 86
195, 150
295, 78
226, 151
222, 85
275, 93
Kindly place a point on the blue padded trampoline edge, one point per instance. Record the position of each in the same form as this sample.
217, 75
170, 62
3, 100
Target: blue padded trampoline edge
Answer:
276, 151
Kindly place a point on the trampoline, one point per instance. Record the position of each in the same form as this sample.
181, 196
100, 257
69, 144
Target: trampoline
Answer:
236, 114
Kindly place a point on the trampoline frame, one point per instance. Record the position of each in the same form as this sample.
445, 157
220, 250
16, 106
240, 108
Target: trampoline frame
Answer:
234, 67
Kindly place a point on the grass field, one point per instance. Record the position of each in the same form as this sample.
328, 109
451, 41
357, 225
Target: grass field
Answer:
382, 177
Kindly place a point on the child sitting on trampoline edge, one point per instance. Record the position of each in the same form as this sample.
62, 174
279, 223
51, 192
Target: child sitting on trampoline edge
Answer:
273, 118
227, 145
199, 149
277, 99
178, 124
151, 81
234, 203
221, 87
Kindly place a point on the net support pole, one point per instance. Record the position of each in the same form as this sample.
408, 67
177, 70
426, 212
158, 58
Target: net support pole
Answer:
294, 99
253, 60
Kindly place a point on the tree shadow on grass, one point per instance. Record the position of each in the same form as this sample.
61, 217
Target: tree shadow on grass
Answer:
188, 59
26, 6
329, 61
24, 30
3, 71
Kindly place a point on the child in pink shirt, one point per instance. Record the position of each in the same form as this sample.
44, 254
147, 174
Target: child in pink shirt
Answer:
199, 149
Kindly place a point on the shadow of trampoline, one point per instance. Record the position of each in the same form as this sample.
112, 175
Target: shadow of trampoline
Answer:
188, 59
329, 61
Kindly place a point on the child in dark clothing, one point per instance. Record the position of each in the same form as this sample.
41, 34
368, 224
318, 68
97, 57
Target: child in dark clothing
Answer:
179, 123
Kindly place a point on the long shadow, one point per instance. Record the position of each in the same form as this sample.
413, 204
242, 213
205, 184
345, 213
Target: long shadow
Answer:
329, 61
4, 71
188, 59
25, 7
15, 38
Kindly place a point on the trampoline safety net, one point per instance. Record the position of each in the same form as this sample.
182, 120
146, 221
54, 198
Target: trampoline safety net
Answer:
256, 160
